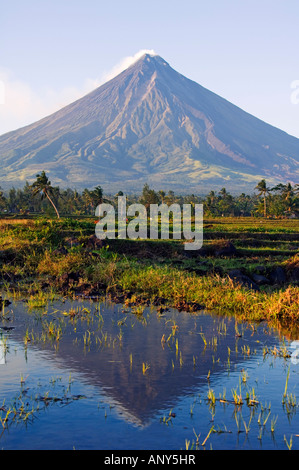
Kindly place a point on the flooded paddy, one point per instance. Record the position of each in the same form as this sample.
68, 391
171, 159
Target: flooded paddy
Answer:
90, 374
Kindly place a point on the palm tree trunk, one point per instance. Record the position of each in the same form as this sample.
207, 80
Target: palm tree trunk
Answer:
58, 216
265, 206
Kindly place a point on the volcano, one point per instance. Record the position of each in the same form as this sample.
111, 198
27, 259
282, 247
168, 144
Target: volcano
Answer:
150, 124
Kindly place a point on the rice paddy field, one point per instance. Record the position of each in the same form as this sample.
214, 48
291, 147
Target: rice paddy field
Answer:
142, 345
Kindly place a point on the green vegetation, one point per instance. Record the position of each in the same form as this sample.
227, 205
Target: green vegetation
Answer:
279, 201
248, 266
64, 256
42, 186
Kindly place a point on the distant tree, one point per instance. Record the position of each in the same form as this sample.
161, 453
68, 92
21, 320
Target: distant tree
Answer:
288, 196
162, 195
42, 186
170, 198
97, 196
210, 203
263, 191
12, 200
87, 200
244, 204
2, 200
223, 193
225, 203
275, 205
149, 196
26, 200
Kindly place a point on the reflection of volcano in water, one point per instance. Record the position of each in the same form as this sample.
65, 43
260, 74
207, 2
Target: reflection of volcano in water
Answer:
109, 351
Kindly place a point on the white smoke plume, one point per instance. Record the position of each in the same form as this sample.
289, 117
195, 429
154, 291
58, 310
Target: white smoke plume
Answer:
127, 62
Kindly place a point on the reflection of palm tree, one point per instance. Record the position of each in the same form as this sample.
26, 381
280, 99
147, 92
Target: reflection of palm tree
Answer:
43, 185
263, 191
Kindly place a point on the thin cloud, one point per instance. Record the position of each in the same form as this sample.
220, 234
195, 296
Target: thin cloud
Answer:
20, 105
2, 92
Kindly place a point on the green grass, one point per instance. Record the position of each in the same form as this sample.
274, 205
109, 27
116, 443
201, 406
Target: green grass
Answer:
155, 271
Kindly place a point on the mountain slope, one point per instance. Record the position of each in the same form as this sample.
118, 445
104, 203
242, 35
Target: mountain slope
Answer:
150, 124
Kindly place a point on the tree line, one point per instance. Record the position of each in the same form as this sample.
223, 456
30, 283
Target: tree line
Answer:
41, 197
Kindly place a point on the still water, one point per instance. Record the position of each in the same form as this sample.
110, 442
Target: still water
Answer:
85, 374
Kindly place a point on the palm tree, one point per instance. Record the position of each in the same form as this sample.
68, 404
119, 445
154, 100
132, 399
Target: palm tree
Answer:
287, 193
263, 191
87, 200
97, 196
148, 197
42, 186
162, 195
2, 199
223, 193
211, 202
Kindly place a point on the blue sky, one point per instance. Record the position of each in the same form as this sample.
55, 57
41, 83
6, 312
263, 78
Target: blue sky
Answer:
53, 52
